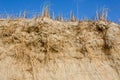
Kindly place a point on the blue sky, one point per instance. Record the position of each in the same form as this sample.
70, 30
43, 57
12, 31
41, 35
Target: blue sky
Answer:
86, 8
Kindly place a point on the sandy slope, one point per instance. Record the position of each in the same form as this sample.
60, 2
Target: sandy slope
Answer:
45, 49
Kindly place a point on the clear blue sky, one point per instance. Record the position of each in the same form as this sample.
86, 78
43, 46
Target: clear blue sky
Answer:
86, 8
